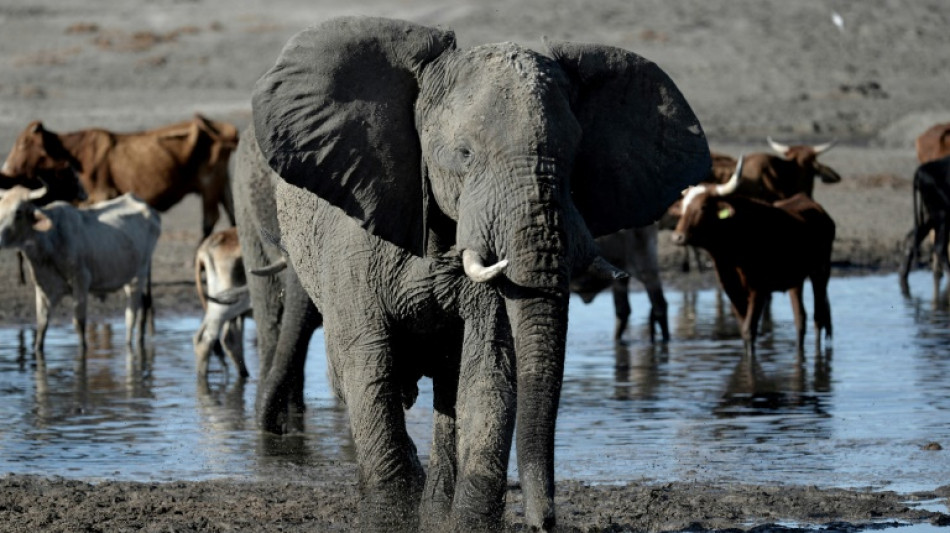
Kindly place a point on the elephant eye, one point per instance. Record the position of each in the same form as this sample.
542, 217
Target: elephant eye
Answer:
464, 157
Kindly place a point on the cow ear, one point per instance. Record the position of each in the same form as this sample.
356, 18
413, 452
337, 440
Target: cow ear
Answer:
724, 210
41, 222
335, 116
641, 143
37, 127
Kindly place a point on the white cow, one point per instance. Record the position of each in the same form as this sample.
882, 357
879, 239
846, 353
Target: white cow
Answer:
80, 251
222, 328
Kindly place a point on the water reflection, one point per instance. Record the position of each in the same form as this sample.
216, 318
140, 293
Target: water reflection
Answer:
693, 409
637, 371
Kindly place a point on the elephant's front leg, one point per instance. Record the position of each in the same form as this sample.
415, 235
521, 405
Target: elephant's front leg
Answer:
442, 472
390, 476
485, 422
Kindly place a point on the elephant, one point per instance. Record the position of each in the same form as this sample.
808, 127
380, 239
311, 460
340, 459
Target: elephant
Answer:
635, 251
284, 314
398, 156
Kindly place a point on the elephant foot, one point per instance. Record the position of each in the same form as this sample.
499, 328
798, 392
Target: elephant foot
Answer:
391, 509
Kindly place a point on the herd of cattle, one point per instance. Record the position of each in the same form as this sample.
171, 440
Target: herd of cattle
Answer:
83, 209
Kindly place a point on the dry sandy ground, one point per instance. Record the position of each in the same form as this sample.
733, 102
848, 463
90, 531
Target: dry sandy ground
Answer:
750, 68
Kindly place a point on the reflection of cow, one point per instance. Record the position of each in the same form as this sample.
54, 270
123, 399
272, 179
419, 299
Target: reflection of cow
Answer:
96, 250
222, 328
759, 248
933, 143
160, 166
931, 212
634, 251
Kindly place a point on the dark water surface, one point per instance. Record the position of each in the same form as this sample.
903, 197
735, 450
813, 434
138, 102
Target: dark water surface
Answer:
858, 414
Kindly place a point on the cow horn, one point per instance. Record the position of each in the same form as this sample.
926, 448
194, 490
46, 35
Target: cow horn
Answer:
730, 186
778, 147
819, 148
271, 269
476, 270
37, 193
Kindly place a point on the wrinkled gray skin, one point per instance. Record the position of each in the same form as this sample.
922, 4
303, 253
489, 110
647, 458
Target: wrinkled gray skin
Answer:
633, 251
497, 152
284, 314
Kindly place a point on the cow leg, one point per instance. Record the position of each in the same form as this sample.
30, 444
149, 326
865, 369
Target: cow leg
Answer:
79, 316
134, 314
203, 342
646, 268
798, 311
698, 257
232, 335
750, 326
621, 295
940, 259
658, 317
819, 284
42, 321
730, 283
911, 249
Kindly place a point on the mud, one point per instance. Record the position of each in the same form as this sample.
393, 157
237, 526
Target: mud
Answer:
31, 504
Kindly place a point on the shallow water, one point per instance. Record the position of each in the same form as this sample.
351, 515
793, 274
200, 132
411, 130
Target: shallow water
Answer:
857, 414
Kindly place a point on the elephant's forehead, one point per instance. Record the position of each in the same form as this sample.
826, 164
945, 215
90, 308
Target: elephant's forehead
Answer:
513, 62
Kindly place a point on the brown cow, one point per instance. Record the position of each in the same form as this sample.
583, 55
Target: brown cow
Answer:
766, 176
933, 143
771, 177
758, 248
160, 166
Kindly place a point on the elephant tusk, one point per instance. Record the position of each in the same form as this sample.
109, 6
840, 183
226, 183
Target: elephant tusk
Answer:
271, 269
476, 269
602, 268
730, 186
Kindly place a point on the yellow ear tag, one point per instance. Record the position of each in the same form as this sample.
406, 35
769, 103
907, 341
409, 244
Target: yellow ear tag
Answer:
724, 213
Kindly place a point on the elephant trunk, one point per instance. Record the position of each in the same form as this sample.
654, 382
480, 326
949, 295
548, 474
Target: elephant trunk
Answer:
532, 241
539, 323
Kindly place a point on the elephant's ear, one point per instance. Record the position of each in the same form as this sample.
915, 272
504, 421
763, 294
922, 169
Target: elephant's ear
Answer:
641, 145
335, 116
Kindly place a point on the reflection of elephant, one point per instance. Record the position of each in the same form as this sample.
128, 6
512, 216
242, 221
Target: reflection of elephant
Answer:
514, 159
633, 250
284, 315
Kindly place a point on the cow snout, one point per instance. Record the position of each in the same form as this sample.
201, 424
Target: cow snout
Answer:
678, 238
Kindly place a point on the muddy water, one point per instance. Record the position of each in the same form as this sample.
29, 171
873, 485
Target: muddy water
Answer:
858, 413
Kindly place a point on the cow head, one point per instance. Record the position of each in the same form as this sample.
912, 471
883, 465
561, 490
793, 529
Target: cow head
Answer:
806, 157
702, 207
37, 149
19, 218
